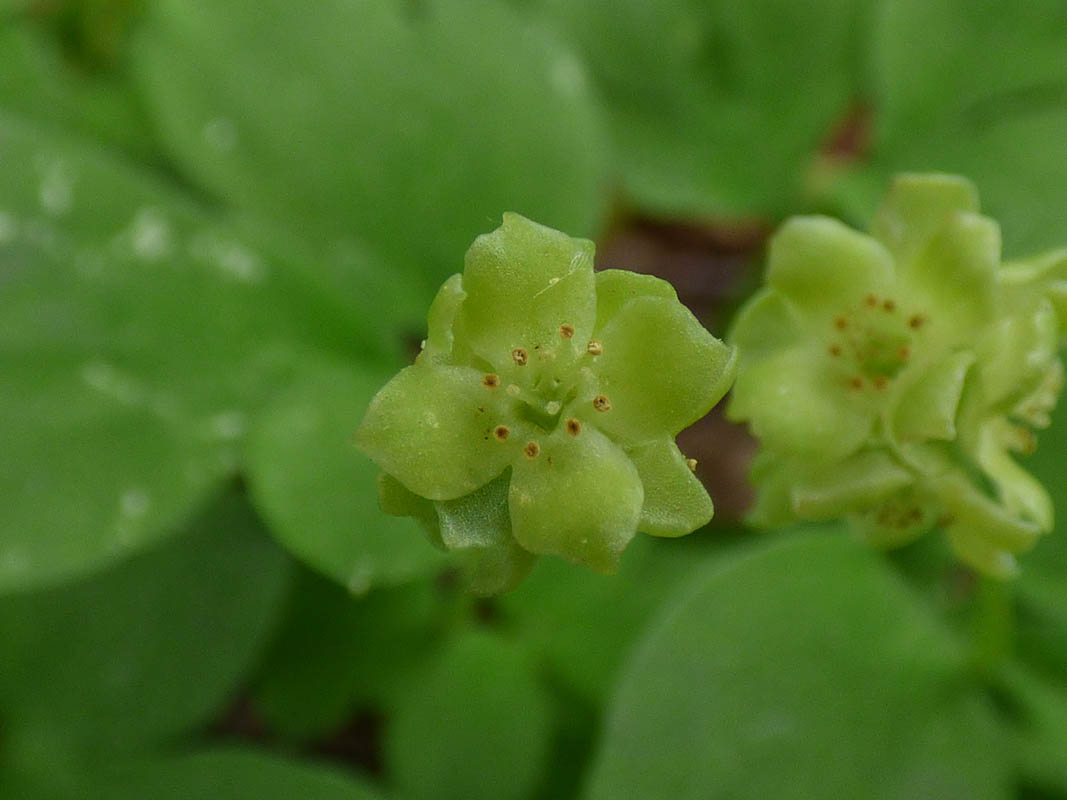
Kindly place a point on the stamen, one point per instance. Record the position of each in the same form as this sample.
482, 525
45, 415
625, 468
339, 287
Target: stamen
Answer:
552, 407
835, 349
501, 433
889, 305
856, 383
602, 403
692, 464
916, 322
871, 300
880, 382
490, 380
566, 331
574, 427
519, 356
840, 323
532, 450
594, 348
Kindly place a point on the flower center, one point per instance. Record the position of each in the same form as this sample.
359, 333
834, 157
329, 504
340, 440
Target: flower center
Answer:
872, 343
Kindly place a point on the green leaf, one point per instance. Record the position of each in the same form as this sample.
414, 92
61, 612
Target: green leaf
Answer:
676, 503
476, 724
661, 370
229, 773
803, 670
319, 493
407, 126
146, 650
721, 76
1042, 734
583, 625
335, 652
580, 498
136, 335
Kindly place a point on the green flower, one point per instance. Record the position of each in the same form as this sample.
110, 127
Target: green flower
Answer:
540, 416
890, 376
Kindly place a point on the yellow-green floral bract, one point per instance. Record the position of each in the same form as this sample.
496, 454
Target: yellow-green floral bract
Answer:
540, 416
890, 376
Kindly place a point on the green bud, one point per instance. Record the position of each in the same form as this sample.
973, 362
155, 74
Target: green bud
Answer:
891, 376
541, 414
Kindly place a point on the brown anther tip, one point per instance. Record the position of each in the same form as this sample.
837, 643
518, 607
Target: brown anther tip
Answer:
490, 380
520, 356
594, 348
871, 300
501, 433
881, 382
574, 427
856, 383
532, 450
566, 331
840, 323
835, 349
916, 322
904, 353
602, 403
692, 464
889, 305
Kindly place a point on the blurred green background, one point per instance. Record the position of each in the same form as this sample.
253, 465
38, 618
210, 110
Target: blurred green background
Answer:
221, 222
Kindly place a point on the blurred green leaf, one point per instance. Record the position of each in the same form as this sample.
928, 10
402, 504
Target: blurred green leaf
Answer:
805, 670
222, 774
145, 650
38, 81
980, 89
587, 648
718, 108
136, 335
320, 493
336, 652
475, 725
412, 125
1042, 728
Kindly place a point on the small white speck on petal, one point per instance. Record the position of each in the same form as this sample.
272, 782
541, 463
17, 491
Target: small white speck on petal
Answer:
221, 134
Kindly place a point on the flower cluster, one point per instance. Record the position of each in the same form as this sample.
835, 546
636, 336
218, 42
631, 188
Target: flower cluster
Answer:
890, 377
540, 415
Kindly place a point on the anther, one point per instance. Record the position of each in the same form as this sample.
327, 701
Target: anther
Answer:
552, 407
904, 353
566, 331
501, 432
889, 305
490, 380
871, 300
602, 403
840, 323
856, 383
692, 464
532, 450
916, 322
594, 348
835, 349
519, 356
574, 427
880, 382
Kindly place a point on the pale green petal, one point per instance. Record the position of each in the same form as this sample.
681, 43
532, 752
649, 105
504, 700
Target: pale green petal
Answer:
1017, 352
927, 409
766, 324
826, 268
901, 518
952, 280
1036, 407
977, 517
676, 502
856, 483
660, 369
1021, 493
523, 281
980, 554
795, 404
617, 287
439, 336
479, 525
399, 501
917, 206
773, 478
580, 498
431, 429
